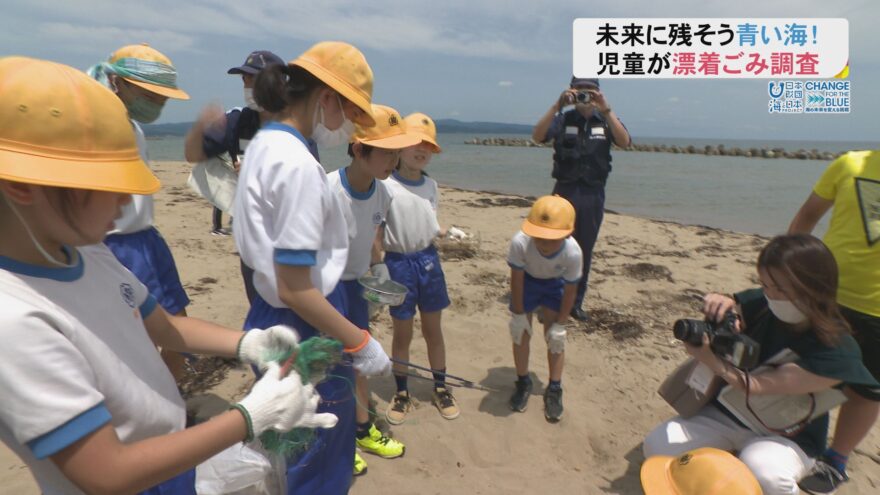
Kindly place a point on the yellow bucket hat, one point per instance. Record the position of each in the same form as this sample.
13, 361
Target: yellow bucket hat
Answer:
59, 127
703, 471
144, 66
344, 68
390, 131
421, 125
551, 217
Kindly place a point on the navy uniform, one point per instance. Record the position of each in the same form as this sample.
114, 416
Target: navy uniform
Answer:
581, 164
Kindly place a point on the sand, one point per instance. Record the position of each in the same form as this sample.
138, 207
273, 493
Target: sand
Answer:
646, 274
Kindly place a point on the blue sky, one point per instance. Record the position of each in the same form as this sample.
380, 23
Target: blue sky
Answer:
503, 61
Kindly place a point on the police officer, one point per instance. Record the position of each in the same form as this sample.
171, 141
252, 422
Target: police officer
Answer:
582, 140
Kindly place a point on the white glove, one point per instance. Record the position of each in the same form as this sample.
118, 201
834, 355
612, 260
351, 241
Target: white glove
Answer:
257, 346
371, 359
456, 233
380, 271
518, 324
556, 338
283, 404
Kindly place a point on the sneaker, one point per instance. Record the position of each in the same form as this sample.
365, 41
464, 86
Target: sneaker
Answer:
824, 479
445, 403
519, 401
400, 405
380, 444
360, 465
580, 315
553, 404
221, 232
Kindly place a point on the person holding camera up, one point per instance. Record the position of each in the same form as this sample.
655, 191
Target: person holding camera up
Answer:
582, 139
795, 309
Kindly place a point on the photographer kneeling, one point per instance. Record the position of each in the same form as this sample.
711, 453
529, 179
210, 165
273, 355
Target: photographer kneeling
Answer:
796, 310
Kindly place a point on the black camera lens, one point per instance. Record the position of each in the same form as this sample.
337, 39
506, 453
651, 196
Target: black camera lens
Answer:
583, 97
691, 331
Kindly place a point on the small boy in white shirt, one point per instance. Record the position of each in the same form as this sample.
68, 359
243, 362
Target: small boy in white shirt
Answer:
365, 200
545, 266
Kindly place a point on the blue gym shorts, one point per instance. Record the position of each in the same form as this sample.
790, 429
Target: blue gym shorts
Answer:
148, 257
357, 310
546, 292
423, 277
326, 467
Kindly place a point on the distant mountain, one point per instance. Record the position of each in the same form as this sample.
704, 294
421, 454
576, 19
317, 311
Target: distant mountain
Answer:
448, 126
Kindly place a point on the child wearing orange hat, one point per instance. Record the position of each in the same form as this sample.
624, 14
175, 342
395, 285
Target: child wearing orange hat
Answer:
144, 79
545, 267
89, 405
291, 230
365, 197
413, 261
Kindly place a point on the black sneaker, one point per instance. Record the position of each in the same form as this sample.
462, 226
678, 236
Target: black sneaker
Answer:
824, 479
580, 315
553, 404
519, 401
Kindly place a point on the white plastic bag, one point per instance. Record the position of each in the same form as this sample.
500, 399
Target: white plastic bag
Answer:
242, 470
215, 180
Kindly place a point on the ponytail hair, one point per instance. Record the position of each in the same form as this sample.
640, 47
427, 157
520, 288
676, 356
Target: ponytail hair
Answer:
810, 268
279, 86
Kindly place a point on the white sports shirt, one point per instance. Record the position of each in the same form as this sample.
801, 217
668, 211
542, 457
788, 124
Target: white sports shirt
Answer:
565, 263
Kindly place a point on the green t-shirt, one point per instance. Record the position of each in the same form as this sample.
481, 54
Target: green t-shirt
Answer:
842, 362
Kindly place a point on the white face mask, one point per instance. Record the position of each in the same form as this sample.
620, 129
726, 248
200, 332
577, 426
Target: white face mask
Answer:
46, 255
324, 136
786, 311
249, 100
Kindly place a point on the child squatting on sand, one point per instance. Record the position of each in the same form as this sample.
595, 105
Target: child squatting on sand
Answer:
545, 266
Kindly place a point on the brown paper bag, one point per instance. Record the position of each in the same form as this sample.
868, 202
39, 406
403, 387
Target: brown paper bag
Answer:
685, 400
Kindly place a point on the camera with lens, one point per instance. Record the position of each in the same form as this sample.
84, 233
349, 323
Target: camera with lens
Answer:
583, 97
740, 350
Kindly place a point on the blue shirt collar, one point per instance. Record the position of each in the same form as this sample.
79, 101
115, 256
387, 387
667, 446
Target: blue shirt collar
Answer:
363, 196
61, 274
278, 126
407, 182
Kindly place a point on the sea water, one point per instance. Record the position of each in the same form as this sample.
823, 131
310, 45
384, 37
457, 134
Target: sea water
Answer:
754, 195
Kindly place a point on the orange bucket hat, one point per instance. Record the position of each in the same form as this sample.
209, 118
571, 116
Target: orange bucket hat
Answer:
344, 68
144, 66
421, 125
61, 128
551, 217
390, 131
705, 471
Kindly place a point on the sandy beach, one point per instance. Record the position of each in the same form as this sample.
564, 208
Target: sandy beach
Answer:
646, 274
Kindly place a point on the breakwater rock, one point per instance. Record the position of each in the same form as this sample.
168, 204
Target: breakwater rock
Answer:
719, 150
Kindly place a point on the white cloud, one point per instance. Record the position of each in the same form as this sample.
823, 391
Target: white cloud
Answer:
84, 39
505, 84
672, 99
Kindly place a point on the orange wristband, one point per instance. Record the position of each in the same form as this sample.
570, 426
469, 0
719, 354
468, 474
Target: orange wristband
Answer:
359, 346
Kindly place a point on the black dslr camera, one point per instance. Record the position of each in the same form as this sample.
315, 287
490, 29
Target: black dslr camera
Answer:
739, 350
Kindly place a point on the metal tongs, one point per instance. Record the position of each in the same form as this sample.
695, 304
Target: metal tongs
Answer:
459, 381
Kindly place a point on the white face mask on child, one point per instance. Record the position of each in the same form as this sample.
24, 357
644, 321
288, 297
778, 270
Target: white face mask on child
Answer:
786, 311
324, 136
46, 255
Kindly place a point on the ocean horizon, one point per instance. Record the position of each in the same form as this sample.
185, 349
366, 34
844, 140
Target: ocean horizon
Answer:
754, 195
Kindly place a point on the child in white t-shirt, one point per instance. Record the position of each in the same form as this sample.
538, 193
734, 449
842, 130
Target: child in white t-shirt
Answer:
89, 405
290, 228
365, 199
545, 266
413, 261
